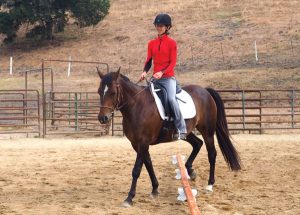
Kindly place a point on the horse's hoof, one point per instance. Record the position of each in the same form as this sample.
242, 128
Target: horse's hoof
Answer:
193, 175
127, 204
209, 189
154, 194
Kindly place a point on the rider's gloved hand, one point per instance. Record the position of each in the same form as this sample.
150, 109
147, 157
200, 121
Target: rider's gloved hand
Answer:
143, 75
158, 75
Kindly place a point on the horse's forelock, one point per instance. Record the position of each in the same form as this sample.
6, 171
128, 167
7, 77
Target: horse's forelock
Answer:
108, 79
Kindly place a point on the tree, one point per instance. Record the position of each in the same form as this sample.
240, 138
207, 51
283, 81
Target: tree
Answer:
48, 16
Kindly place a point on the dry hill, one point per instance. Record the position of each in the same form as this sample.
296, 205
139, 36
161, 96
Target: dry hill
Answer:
215, 39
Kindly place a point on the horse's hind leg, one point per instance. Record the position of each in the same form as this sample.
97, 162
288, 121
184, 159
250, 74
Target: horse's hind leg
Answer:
212, 154
149, 167
196, 143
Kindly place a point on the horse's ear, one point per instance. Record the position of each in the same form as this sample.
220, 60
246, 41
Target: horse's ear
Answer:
99, 73
117, 73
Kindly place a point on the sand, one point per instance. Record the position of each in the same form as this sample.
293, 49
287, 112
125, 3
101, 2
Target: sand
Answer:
93, 176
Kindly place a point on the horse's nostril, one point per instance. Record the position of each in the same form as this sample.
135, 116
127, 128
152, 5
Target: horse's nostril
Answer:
103, 119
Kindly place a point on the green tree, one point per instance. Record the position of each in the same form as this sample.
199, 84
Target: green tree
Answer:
48, 16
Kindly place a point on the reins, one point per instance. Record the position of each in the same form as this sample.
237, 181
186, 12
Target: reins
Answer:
119, 107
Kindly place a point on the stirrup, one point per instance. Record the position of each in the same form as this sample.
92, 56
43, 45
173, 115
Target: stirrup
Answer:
180, 136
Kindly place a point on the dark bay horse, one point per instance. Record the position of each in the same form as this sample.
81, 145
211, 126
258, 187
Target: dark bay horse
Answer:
142, 124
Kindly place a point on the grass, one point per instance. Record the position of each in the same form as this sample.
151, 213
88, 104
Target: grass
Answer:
11, 82
226, 14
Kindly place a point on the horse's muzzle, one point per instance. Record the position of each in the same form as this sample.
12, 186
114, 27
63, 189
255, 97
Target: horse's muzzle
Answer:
104, 119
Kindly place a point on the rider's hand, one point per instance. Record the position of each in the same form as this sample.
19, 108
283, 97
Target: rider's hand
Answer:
143, 75
158, 75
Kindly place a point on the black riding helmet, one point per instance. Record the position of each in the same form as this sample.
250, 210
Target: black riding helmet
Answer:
163, 19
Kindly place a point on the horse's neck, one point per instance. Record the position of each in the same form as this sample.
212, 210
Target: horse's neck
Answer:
129, 89
130, 94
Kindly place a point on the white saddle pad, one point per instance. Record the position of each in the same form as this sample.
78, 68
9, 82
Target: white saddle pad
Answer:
185, 101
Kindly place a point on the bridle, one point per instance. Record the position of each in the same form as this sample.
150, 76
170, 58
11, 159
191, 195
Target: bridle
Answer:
116, 106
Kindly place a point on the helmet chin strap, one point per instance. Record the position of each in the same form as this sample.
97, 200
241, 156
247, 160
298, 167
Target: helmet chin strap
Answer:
166, 32
160, 35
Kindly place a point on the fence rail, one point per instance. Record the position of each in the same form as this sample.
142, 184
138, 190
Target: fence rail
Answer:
73, 113
262, 110
253, 110
76, 112
19, 112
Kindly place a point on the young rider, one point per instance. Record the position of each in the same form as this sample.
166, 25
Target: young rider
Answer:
163, 52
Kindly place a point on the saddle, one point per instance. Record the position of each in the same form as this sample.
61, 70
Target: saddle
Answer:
185, 101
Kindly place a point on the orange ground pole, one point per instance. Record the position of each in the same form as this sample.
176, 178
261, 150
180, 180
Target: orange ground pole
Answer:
187, 188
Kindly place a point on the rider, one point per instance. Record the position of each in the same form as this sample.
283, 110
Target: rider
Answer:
163, 52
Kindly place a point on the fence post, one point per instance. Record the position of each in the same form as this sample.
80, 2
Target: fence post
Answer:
52, 107
39, 114
24, 110
86, 108
293, 108
255, 49
69, 115
76, 113
112, 124
80, 107
48, 105
243, 106
260, 112
44, 101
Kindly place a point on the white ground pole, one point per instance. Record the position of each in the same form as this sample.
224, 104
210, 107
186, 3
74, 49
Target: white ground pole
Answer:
181, 194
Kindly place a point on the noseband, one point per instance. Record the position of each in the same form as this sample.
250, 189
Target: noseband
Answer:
117, 106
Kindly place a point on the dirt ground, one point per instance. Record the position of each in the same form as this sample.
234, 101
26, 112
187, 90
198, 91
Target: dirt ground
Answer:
93, 176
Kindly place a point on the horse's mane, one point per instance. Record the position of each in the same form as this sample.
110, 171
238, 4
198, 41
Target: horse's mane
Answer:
107, 79
125, 77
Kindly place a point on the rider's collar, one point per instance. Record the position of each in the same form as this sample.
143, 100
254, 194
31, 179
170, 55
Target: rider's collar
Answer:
162, 35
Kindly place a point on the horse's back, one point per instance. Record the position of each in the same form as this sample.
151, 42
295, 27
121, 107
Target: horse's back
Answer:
199, 94
205, 105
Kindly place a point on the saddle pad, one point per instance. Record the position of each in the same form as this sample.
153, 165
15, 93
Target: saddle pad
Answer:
185, 101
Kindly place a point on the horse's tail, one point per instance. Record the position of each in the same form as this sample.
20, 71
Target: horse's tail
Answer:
230, 154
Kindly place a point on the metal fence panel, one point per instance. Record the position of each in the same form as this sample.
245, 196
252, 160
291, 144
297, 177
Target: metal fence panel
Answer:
19, 112
73, 113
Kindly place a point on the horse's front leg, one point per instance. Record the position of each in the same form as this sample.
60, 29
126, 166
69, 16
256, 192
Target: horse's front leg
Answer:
149, 167
141, 153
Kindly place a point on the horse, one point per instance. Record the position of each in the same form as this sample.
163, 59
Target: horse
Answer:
142, 124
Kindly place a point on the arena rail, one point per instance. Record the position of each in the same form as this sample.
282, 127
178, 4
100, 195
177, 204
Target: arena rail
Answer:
73, 113
253, 111
19, 112
44, 61
261, 110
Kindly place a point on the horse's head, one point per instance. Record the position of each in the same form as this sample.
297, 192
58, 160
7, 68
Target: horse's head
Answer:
109, 95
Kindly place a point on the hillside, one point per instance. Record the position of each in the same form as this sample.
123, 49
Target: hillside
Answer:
215, 41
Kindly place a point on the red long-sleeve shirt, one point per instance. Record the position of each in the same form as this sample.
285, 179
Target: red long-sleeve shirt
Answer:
163, 51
